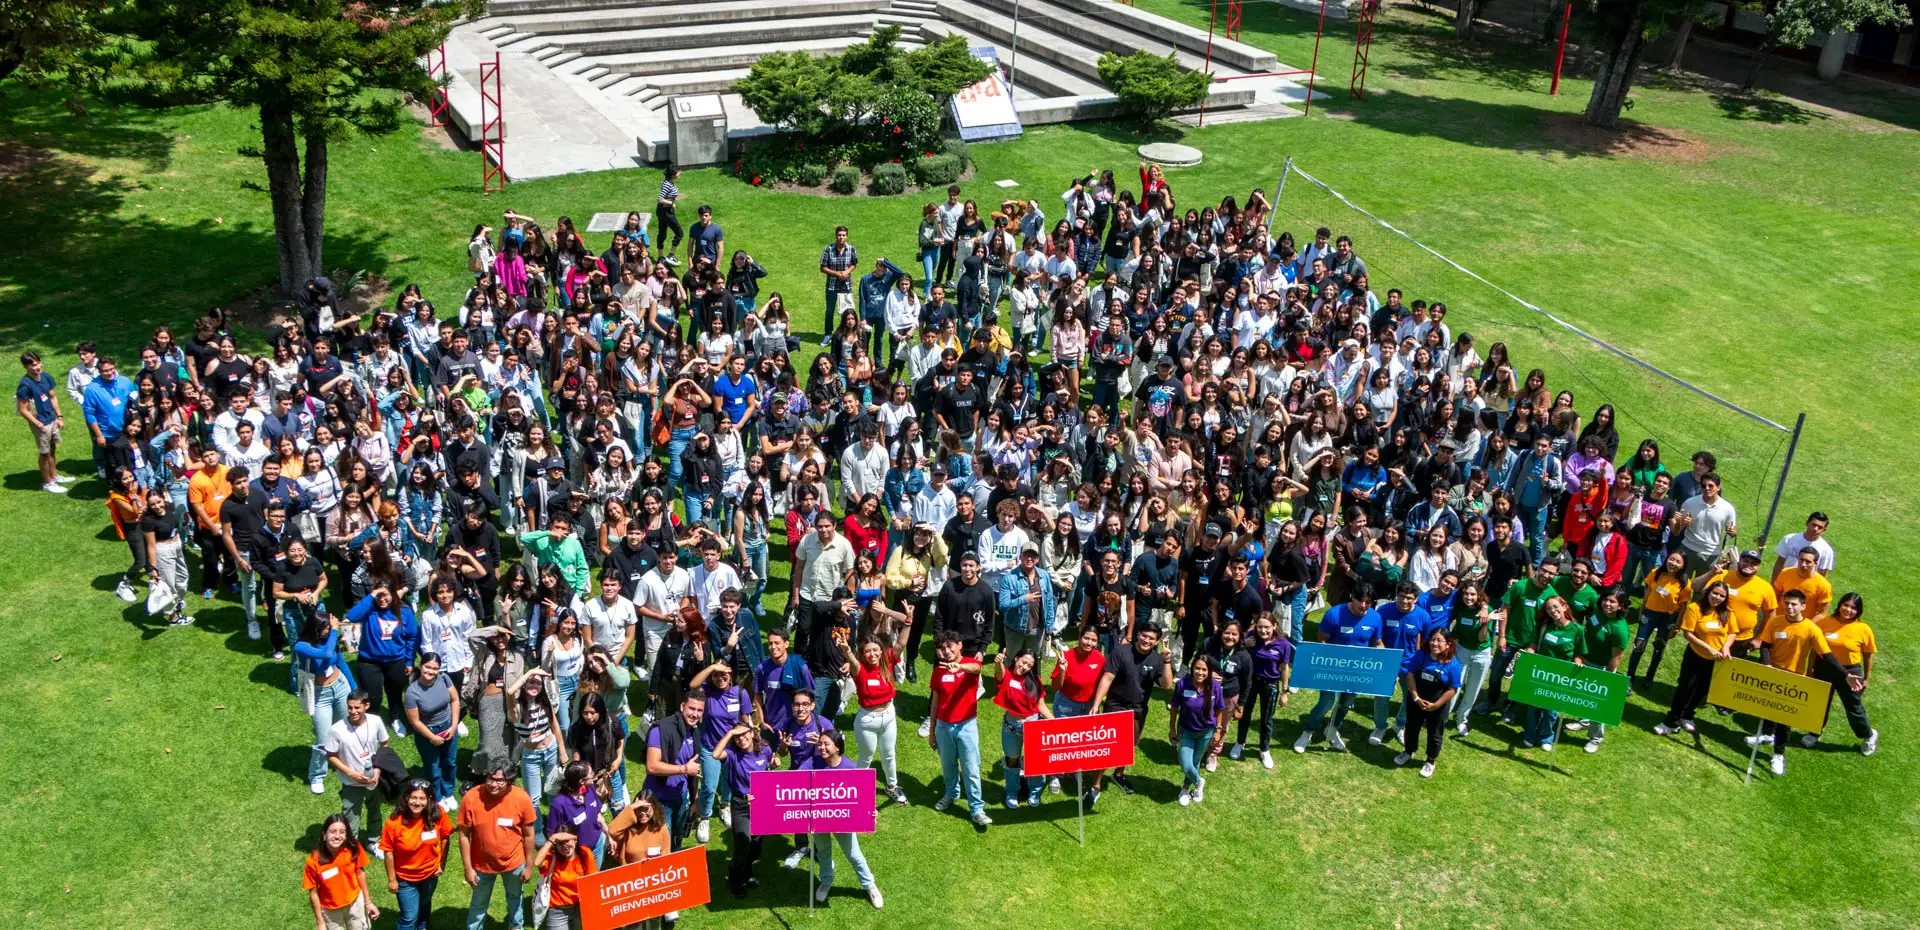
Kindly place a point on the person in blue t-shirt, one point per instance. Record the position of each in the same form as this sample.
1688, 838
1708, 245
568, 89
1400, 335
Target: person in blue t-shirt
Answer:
1429, 678
1403, 626
1354, 623
737, 393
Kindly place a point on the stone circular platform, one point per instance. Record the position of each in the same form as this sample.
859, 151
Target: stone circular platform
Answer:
1171, 154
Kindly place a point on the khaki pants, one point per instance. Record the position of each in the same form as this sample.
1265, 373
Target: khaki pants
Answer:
351, 917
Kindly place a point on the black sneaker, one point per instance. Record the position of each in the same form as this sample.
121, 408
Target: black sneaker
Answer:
1125, 783
913, 677
1091, 797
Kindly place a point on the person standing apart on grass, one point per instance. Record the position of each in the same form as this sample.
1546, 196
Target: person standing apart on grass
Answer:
706, 239
335, 878
1603, 641
1354, 623
1431, 681
837, 262
350, 748
496, 843
1126, 684
1194, 704
1852, 643
955, 688
416, 840
1709, 629
1792, 642
39, 404
832, 754
1020, 694
563, 862
663, 213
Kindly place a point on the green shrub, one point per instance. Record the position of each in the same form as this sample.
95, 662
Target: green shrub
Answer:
1150, 86
846, 179
809, 173
889, 178
957, 147
936, 170
907, 120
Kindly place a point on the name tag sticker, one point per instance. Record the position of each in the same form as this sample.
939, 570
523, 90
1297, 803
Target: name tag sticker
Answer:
329, 873
1016, 684
1834, 636
580, 817
503, 822
428, 836
1710, 625
1780, 635
947, 679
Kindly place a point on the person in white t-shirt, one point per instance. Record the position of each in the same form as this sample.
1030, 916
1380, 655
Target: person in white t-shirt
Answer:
1815, 537
1706, 522
895, 413
609, 619
711, 578
657, 602
1000, 545
350, 746
444, 629
935, 504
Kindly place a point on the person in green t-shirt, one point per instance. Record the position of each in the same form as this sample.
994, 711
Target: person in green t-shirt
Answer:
1577, 587
1604, 639
1477, 639
1517, 617
1559, 639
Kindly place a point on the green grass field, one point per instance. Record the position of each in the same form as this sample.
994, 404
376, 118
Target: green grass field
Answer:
1760, 248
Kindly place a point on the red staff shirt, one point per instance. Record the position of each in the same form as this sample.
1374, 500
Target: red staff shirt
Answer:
1079, 678
1019, 699
874, 685
954, 695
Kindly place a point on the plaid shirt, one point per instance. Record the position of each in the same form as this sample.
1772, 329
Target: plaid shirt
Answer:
839, 259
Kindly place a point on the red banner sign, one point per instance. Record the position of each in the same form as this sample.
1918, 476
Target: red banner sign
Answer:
633, 893
1076, 744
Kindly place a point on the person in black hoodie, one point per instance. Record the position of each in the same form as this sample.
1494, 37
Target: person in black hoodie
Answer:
702, 475
968, 608
470, 489
475, 535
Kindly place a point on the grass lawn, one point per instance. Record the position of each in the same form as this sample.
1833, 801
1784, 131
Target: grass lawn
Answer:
1757, 247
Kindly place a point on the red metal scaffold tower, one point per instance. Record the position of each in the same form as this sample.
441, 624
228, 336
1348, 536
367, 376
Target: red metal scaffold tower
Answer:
437, 100
1233, 19
493, 130
1362, 47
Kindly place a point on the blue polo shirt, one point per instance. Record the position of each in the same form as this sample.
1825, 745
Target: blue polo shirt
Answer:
1345, 628
1439, 607
735, 394
1405, 631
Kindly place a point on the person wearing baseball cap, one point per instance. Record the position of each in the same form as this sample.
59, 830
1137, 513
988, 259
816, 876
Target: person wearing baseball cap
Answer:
1750, 598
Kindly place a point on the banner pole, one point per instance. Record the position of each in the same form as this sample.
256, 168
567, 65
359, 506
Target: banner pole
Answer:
813, 868
1754, 756
1080, 802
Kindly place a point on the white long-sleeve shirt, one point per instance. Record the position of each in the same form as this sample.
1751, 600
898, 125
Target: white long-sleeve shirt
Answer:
863, 471
903, 311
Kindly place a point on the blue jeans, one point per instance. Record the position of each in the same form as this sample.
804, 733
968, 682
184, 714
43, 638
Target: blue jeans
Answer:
756, 558
1640, 561
564, 709
483, 896
1064, 706
698, 506
1380, 705
534, 766
1535, 521
1339, 702
929, 259
1298, 616
1193, 748
1012, 730
1542, 726
959, 745
416, 902
329, 704
713, 783
438, 764
676, 445
849, 844
880, 338
676, 811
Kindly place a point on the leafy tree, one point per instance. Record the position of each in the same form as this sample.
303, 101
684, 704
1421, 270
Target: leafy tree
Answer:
878, 57
43, 41
314, 71
787, 90
1792, 22
1620, 30
943, 68
1151, 86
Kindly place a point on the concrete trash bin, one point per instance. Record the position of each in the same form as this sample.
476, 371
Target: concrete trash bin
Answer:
697, 130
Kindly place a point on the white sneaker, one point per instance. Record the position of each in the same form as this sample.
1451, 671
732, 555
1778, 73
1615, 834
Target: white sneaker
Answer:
1403, 758
53, 488
1872, 745
1593, 745
1053, 785
942, 804
726, 816
1378, 735
1426, 770
1809, 740
377, 852
1334, 741
701, 831
1186, 797
1546, 747
399, 730
1687, 725
461, 729
449, 804
1462, 729
926, 727
982, 820
64, 479
253, 629
820, 894
794, 859
124, 591
182, 620
874, 898
1760, 739
1213, 763
1300, 745
1779, 764
641, 675
1400, 736
1576, 726
1234, 752
1200, 791
1266, 760
1660, 729
317, 786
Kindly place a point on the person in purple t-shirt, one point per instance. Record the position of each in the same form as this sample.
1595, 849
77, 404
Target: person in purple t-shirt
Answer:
1195, 708
800, 740
727, 705
673, 751
1272, 656
780, 676
742, 752
576, 809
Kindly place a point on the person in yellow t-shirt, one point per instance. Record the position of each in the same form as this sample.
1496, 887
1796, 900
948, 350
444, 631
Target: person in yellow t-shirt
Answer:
1711, 631
1750, 598
1805, 577
1853, 648
1792, 642
1666, 587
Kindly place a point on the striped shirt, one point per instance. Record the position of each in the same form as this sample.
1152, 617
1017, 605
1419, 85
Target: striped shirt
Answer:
839, 258
668, 192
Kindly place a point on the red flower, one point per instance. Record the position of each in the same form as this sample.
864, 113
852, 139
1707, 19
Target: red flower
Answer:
896, 130
756, 179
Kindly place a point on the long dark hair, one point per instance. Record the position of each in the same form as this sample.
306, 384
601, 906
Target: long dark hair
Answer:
353, 839
429, 814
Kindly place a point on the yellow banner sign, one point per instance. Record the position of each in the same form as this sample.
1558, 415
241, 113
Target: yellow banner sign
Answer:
1771, 694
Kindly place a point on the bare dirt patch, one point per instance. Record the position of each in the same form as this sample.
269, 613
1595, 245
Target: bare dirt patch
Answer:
264, 308
17, 160
1631, 140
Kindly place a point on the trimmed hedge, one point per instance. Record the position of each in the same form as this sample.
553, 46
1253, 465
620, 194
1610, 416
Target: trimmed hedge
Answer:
809, 174
889, 178
936, 170
846, 179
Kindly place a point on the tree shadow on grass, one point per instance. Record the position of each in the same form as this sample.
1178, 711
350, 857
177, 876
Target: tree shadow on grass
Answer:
1774, 110
1522, 128
288, 762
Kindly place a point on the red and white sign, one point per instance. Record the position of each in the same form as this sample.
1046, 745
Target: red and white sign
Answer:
1065, 745
633, 893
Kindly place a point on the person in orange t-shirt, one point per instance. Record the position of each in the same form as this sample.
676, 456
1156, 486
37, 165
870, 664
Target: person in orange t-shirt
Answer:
496, 841
638, 833
416, 840
336, 879
206, 491
564, 863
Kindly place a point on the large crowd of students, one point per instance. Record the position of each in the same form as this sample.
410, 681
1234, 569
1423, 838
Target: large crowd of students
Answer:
1115, 458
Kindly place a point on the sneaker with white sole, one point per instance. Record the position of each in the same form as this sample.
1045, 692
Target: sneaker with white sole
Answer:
1213, 763
1306, 737
1400, 736
1426, 770
181, 620
53, 488
1233, 752
1403, 758
793, 859
1266, 760
1053, 785
982, 820
1546, 747
1809, 740
899, 797
942, 804
926, 727
1872, 743
253, 629
1200, 791
1576, 726
449, 804
1378, 736
1186, 797
1779, 764
701, 831
1760, 739
726, 816
821, 893
64, 479
124, 591
1661, 729
1593, 745
874, 898
1334, 741
317, 786
399, 729
1688, 725
377, 852
1462, 728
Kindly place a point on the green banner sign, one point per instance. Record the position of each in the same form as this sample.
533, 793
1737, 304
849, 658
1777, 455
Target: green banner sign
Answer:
1576, 690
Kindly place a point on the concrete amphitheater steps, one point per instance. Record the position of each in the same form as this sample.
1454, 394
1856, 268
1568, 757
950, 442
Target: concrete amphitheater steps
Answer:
677, 60
1038, 76
679, 15
1168, 32
1082, 38
721, 34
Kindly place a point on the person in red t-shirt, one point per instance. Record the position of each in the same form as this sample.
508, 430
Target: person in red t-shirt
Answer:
1076, 677
1019, 694
956, 726
875, 724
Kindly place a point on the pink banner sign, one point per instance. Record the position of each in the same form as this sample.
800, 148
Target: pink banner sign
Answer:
812, 801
